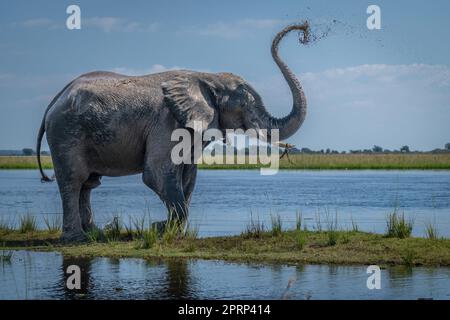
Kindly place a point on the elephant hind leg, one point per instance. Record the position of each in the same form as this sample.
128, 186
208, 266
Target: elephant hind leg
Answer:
87, 220
70, 190
71, 173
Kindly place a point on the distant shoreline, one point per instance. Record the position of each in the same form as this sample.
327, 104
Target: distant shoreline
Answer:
381, 161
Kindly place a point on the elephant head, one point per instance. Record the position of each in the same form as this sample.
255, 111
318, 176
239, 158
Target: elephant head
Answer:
226, 101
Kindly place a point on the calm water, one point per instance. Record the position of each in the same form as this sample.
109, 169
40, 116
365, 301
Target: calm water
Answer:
224, 200
41, 276
222, 204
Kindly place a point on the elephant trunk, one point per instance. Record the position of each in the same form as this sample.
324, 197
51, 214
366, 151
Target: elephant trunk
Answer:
289, 124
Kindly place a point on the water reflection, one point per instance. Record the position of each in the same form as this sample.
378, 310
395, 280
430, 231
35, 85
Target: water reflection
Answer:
38, 275
85, 267
179, 280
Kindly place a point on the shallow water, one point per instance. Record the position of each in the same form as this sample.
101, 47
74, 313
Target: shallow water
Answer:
34, 275
224, 200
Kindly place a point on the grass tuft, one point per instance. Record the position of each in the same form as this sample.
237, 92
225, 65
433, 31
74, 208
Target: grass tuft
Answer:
332, 229
431, 231
27, 224
139, 225
409, 257
191, 232
255, 228
173, 230
6, 226
277, 225
355, 227
300, 239
149, 238
318, 226
96, 235
398, 226
53, 224
113, 229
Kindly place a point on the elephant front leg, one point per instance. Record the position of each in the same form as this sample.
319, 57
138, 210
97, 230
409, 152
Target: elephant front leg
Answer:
189, 178
172, 195
169, 187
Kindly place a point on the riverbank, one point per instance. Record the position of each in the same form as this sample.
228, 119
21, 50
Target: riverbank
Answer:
287, 247
382, 161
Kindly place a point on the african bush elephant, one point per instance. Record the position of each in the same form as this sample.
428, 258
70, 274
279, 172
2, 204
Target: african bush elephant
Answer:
107, 124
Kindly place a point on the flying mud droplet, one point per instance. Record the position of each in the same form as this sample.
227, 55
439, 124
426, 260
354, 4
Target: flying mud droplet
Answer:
316, 32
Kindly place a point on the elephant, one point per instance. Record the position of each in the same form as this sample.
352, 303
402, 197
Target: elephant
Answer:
108, 124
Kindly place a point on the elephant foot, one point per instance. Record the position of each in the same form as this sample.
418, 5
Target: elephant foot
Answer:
73, 237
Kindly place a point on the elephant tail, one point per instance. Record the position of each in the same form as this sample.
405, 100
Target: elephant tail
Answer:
45, 178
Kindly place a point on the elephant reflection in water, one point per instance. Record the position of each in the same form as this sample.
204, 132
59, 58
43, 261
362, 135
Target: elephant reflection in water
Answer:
177, 282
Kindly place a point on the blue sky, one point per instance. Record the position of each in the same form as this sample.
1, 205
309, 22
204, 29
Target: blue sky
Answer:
388, 87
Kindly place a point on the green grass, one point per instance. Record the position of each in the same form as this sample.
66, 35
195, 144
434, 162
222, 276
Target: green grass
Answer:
24, 162
53, 223
300, 239
255, 228
290, 247
145, 237
355, 227
329, 245
431, 231
388, 161
27, 223
113, 229
398, 226
149, 238
277, 225
332, 229
139, 225
6, 226
408, 257
385, 161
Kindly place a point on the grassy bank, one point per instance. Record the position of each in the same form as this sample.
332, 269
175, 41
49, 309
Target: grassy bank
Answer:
24, 162
421, 161
287, 247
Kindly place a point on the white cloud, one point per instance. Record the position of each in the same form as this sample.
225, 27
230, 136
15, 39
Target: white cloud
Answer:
109, 24
105, 24
39, 23
234, 29
359, 106
137, 72
156, 68
348, 108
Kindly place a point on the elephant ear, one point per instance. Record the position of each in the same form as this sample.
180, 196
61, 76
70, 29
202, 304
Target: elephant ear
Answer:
190, 99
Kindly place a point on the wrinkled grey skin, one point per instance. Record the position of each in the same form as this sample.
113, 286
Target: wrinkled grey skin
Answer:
107, 124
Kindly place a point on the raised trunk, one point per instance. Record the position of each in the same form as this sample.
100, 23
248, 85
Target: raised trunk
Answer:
289, 124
